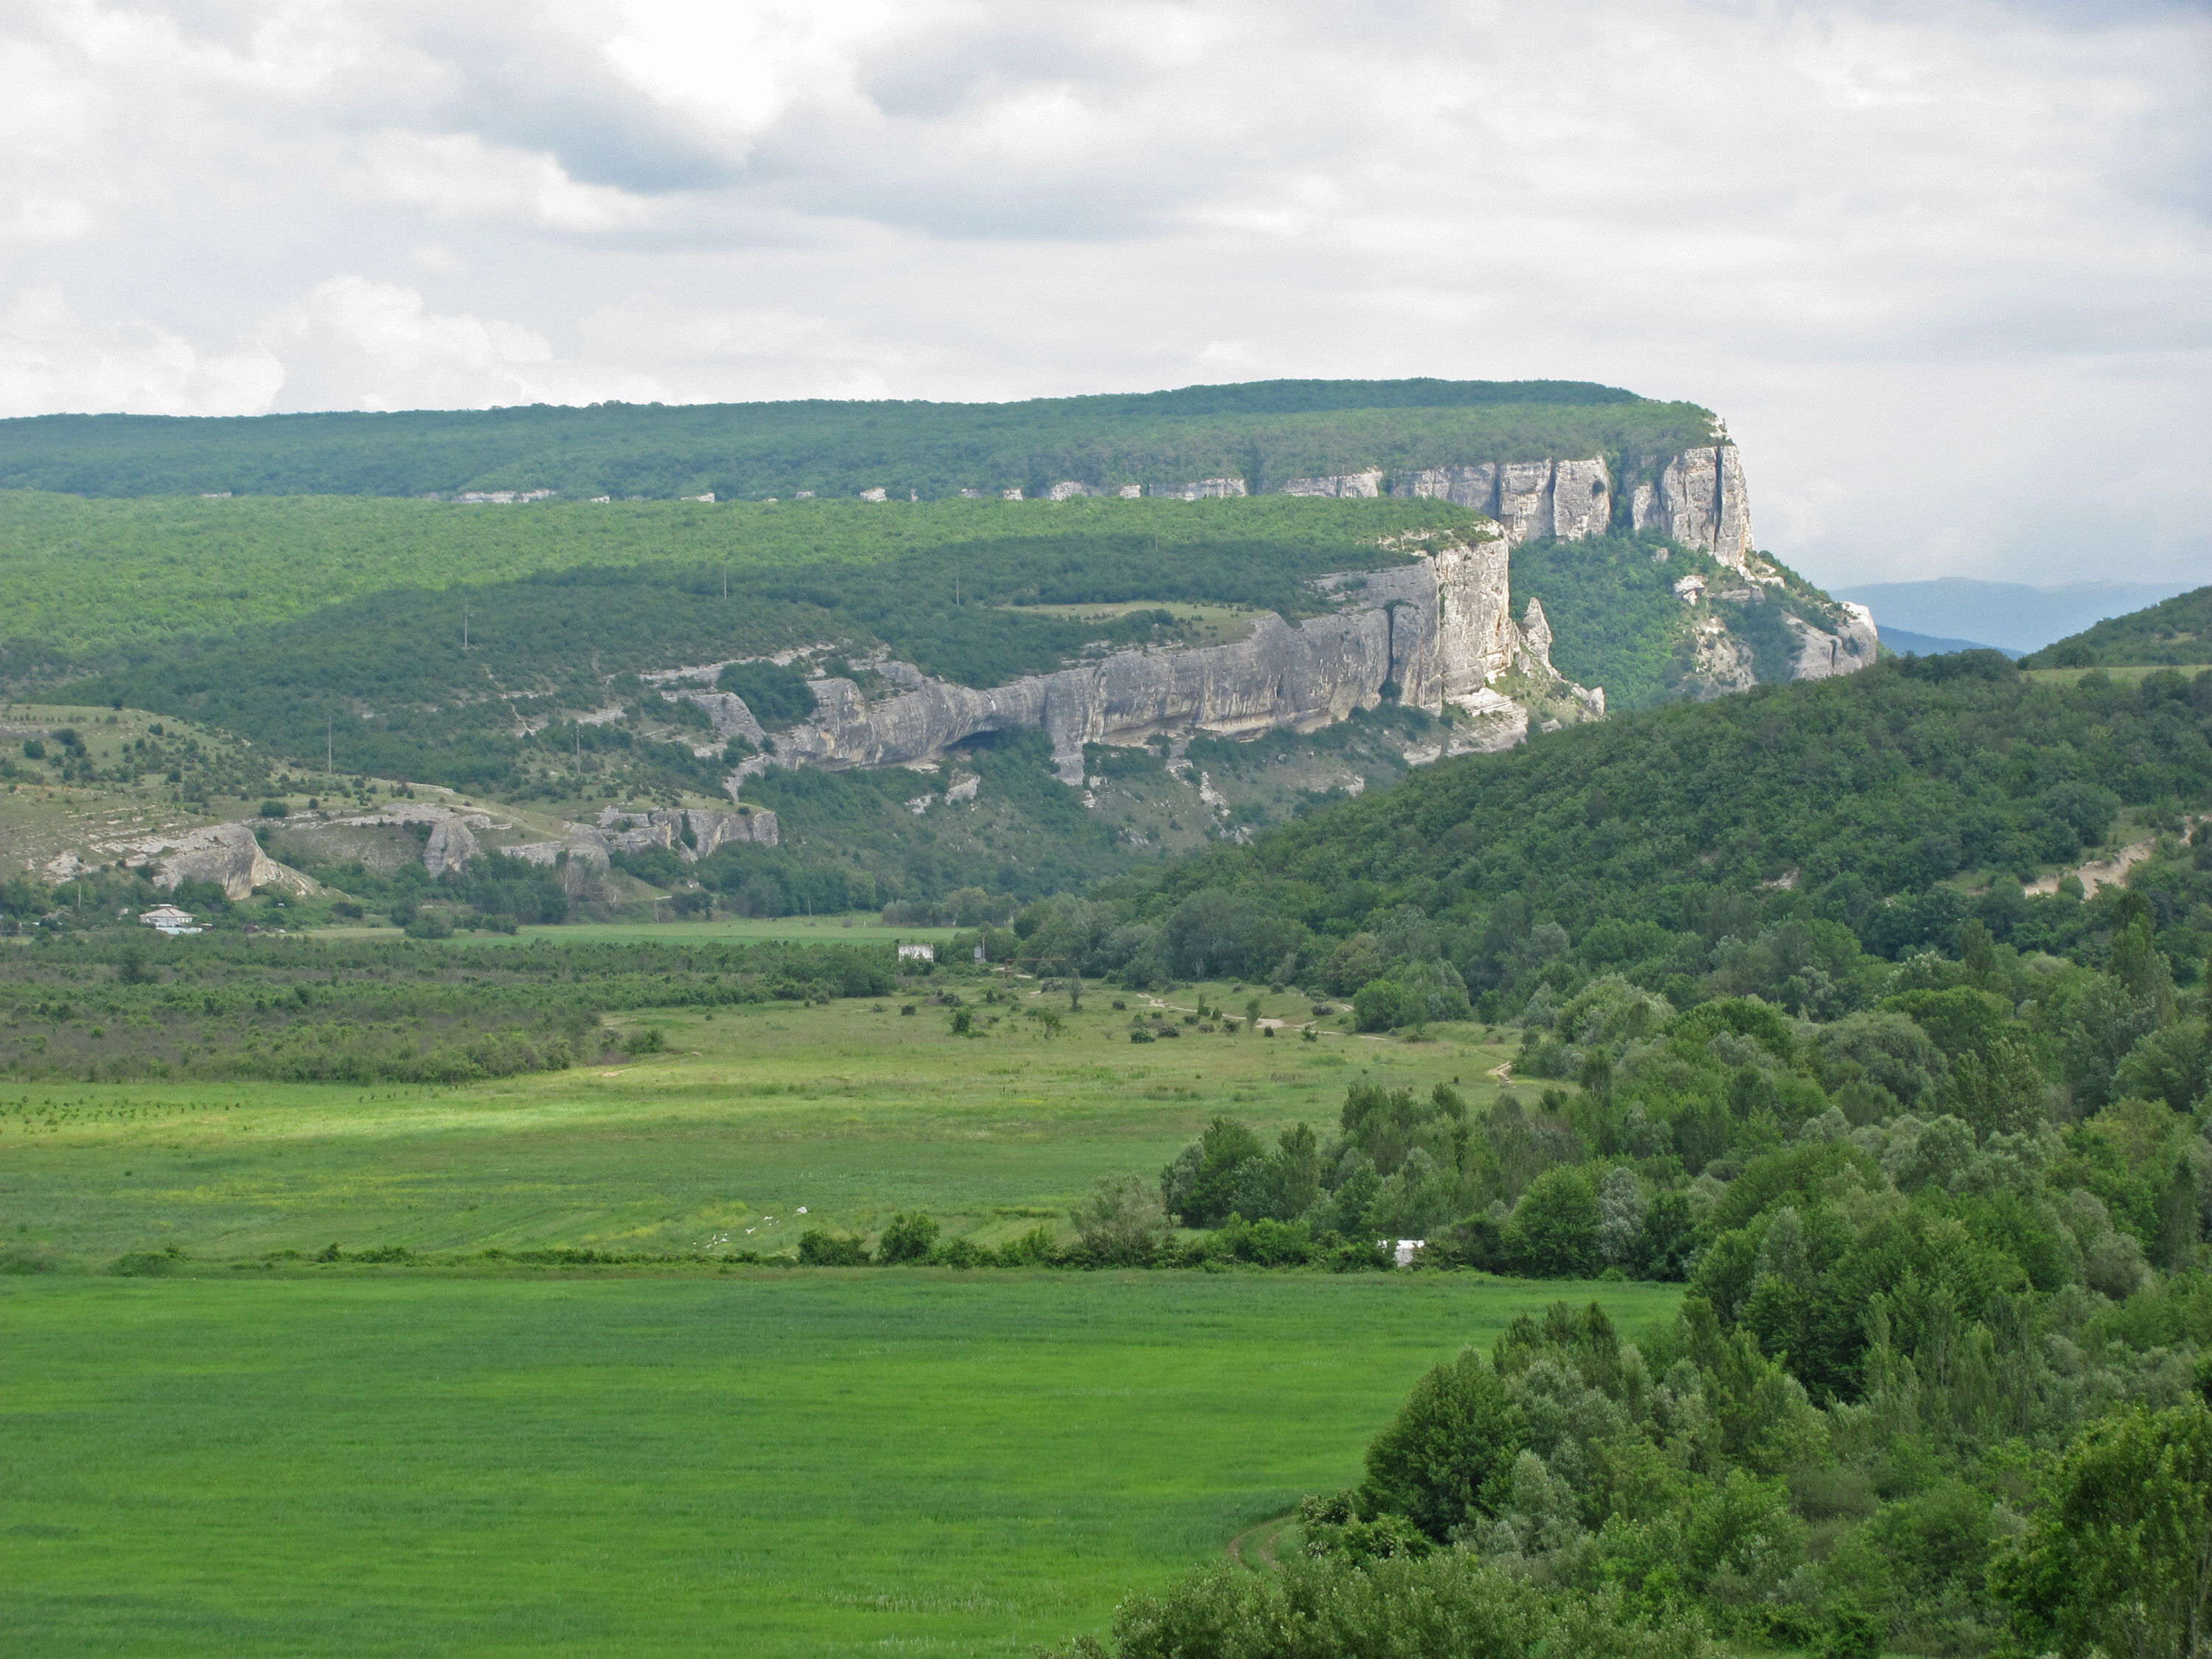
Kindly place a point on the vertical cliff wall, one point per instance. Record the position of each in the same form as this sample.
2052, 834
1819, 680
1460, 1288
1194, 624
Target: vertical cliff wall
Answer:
1435, 633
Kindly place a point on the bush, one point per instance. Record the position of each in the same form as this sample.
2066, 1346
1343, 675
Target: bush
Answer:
910, 1238
1121, 1223
821, 1248
1444, 1606
146, 1264
428, 924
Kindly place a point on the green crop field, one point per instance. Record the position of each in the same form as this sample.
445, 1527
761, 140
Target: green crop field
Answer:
282, 1456
812, 1462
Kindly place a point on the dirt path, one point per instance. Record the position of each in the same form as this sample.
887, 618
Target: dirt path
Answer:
1263, 1550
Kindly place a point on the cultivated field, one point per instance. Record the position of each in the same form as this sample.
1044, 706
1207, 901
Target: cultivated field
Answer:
277, 1455
821, 1462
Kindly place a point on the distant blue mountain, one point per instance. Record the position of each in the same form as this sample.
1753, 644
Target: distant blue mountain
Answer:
1904, 642
2013, 615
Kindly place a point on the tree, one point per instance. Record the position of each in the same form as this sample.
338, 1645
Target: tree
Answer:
910, 1238
2120, 1558
1197, 1187
1554, 1230
2001, 1094
1120, 1223
1446, 1457
1621, 1210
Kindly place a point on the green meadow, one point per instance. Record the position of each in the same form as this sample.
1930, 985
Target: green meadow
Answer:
266, 1454
365, 1462
852, 1109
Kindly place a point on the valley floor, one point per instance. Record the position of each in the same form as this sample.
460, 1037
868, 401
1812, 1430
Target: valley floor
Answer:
825, 1462
257, 1456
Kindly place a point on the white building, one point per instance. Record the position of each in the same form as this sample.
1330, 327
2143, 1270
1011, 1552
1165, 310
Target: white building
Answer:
167, 919
917, 952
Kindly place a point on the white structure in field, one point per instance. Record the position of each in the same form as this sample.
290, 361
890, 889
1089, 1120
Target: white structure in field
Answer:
917, 953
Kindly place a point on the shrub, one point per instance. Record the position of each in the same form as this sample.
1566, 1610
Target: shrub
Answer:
820, 1248
910, 1238
1121, 1223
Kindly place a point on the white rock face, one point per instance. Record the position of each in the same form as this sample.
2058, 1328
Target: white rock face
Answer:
1474, 486
710, 829
1703, 501
1581, 499
1821, 656
225, 854
1524, 500
731, 718
1439, 630
1204, 490
1568, 499
1364, 486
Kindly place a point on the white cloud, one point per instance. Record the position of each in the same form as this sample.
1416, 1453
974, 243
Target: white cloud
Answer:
458, 176
1943, 266
50, 358
362, 344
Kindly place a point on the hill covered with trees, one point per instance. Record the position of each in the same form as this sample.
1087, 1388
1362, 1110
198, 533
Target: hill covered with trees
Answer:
1929, 1152
1264, 432
2174, 633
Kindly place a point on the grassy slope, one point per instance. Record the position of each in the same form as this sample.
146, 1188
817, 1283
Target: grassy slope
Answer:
80, 577
1264, 432
2174, 633
824, 1463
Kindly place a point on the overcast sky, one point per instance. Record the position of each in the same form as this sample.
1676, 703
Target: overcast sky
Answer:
1944, 268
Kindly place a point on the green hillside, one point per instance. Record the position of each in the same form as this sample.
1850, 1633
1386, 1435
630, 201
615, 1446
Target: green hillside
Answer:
1771, 842
1265, 432
81, 579
2176, 633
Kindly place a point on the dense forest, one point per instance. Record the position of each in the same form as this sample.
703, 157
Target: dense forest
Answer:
1940, 1190
1264, 432
1871, 814
2173, 634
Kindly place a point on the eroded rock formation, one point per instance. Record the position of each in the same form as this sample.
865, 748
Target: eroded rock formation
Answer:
1435, 633
227, 854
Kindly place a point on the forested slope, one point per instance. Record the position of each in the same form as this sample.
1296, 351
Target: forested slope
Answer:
2174, 633
1264, 432
1876, 812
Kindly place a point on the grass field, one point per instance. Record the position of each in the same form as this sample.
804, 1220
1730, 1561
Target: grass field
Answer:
285, 1457
822, 1463
752, 1112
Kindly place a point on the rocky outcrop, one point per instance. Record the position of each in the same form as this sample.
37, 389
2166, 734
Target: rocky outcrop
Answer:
1202, 489
730, 717
1701, 500
1359, 486
617, 831
1568, 499
225, 854
1823, 653
1434, 633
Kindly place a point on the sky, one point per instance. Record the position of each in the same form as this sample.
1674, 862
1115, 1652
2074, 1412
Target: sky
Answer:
1943, 268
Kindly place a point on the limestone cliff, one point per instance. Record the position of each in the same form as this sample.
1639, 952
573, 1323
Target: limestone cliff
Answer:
1434, 634
227, 854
